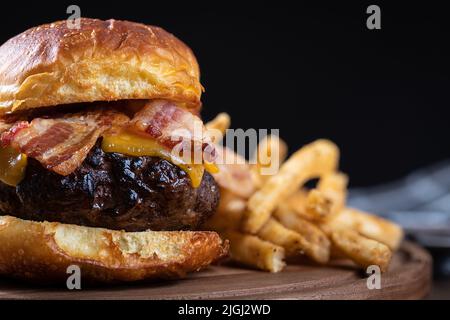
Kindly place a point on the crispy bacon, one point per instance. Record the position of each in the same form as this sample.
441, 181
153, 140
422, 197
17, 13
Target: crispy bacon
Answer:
5, 126
62, 144
172, 127
9, 131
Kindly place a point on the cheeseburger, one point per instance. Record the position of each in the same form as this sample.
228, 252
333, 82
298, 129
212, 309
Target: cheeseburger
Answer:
89, 122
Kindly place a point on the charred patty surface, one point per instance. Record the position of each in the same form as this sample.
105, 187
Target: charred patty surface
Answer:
113, 191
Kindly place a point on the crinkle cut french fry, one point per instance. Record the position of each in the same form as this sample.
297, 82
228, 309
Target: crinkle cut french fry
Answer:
370, 226
269, 154
317, 205
255, 252
222, 221
229, 213
317, 245
311, 161
335, 181
336, 254
297, 203
294, 243
363, 251
328, 198
220, 123
276, 233
334, 187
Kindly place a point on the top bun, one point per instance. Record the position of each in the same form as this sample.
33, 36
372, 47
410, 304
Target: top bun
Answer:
101, 61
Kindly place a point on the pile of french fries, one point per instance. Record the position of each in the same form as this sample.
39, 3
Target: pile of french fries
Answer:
269, 218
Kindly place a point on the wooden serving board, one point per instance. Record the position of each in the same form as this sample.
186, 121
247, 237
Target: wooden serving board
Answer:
409, 277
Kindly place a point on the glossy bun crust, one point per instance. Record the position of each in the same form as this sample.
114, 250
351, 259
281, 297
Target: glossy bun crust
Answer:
102, 61
42, 252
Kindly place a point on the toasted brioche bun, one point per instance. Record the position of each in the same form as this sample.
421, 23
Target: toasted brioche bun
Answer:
42, 251
109, 60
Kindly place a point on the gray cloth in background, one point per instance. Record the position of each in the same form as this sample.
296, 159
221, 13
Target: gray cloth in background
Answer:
420, 202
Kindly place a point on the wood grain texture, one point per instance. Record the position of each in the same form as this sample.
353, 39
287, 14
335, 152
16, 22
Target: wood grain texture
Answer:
409, 277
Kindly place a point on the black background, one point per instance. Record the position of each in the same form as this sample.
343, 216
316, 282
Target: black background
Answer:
310, 70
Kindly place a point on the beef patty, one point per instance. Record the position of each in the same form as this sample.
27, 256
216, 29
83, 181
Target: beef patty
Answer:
113, 191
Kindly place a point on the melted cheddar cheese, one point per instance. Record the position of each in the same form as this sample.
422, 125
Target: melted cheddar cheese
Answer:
13, 163
135, 145
12, 166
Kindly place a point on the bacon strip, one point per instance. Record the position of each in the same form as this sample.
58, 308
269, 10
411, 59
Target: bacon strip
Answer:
9, 131
55, 134
172, 127
62, 144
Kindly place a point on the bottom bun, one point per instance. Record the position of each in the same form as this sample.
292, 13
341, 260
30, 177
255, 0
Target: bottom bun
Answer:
43, 251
